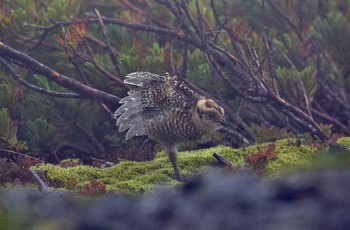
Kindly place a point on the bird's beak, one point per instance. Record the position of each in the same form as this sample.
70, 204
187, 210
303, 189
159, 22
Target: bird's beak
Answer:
224, 122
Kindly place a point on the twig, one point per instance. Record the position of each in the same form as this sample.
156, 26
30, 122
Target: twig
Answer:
34, 87
75, 63
81, 72
184, 61
42, 186
219, 25
270, 59
285, 18
301, 118
111, 52
21, 154
330, 119
196, 26
306, 100
30, 63
144, 13
226, 163
235, 116
108, 163
99, 147
110, 76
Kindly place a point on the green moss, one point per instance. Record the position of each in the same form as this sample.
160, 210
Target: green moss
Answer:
290, 156
138, 177
344, 141
334, 156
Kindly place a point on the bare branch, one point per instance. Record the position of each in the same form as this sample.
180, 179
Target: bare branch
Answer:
110, 76
285, 18
43, 187
81, 89
111, 52
34, 87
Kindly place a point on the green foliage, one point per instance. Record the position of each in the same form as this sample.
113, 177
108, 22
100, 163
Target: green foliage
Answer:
11, 98
8, 133
130, 60
42, 137
156, 56
59, 10
293, 82
199, 70
337, 24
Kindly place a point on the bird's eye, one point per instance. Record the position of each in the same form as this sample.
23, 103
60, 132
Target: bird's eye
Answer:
210, 116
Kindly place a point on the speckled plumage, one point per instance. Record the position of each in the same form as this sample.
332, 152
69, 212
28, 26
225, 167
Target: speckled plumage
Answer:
165, 109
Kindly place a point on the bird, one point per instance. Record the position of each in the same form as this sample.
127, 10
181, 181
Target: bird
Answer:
166, 110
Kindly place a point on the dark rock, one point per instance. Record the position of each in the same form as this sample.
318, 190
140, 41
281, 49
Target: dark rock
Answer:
216, 200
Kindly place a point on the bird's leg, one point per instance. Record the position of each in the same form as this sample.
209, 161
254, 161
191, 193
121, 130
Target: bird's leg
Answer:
172, 153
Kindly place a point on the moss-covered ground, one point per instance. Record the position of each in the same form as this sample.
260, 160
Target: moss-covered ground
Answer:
137, 177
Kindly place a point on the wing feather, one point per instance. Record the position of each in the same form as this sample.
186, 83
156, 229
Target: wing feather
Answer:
151, 96
130, 115
137, 129
140, 79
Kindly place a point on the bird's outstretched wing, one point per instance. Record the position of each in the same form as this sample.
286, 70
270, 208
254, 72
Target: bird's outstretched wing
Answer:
150, 97
170, 94
141, 79
129, 115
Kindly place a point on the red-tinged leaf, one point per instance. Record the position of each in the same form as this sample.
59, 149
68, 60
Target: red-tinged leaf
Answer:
94, 183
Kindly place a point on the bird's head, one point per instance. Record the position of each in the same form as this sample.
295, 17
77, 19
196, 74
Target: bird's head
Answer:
210, 116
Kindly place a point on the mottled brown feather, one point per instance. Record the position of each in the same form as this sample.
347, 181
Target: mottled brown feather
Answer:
168, 111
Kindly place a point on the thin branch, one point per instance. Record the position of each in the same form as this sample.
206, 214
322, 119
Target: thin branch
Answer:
306, 99
42, 186
199, 18
98, 42
237, 119
99, 147
232, 85
92, 59
338, 78
115, 21
216, 15
21, 154
106, 163
219, 25
137, 10
270, 59
81, 72
330, 119
75, 63
111, 52
184, 61
225, 162
285, 18
299, 116
34, 87
195, 26
30, 63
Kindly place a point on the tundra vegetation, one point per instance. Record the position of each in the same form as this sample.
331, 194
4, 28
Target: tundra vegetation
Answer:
280, 69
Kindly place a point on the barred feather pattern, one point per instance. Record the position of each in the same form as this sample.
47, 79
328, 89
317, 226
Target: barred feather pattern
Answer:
168, 111
157, 106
